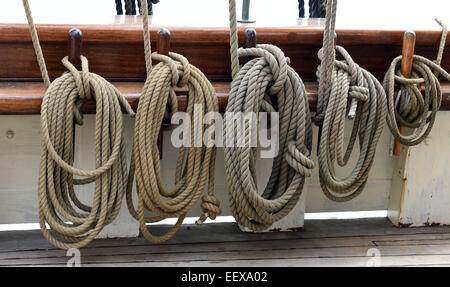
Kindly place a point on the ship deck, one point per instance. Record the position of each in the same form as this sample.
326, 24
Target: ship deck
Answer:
322, 243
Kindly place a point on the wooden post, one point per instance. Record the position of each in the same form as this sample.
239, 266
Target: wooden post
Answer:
409, 41
75, 44
74, 52
250, 39
163, 48
418, 198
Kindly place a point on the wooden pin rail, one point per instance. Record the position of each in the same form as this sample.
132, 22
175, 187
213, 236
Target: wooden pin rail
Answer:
25, 98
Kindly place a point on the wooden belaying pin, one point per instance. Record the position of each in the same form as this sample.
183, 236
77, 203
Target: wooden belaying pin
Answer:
75, 43
163, 48
250, 39
74, 52
409, 42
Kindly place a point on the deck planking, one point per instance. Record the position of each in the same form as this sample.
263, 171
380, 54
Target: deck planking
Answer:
323, 243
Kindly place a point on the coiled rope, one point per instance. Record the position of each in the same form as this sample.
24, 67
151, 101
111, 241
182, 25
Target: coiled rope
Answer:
267, 75
58, 202
195, 165
346, 89
411, 107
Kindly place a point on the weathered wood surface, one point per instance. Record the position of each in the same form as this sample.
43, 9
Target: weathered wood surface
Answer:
420, 182
323, 243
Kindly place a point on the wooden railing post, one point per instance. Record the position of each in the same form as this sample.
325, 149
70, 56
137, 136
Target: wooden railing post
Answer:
409, 42
75, 44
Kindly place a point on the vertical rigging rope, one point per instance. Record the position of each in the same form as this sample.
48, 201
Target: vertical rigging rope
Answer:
267, 75
74, 224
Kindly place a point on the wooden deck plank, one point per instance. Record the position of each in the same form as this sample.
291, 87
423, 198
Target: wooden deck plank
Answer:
245, 246
324, 243
386, 261
271, 253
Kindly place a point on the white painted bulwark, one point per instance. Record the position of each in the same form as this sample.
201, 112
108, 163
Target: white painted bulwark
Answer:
420, 191
422, 200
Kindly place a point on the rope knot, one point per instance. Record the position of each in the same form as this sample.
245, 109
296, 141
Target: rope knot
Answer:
359, 93
210, 206
275, 59
82, 81
298, 160
178, 65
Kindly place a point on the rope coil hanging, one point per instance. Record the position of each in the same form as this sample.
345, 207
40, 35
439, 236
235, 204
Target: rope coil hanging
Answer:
60, 110
411, 107
346, 89
269, 74
195, 165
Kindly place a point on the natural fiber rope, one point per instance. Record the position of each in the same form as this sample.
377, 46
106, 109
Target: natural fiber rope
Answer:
411, 107
267, 75
58, 202
195, 165
345, 88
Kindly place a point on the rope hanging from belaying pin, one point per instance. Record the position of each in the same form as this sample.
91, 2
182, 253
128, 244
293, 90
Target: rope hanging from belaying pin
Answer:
267, 75
345, 89
412, 106
195, 165
61, 107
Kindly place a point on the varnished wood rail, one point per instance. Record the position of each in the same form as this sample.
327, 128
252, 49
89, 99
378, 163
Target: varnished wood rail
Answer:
25, 98
115, 51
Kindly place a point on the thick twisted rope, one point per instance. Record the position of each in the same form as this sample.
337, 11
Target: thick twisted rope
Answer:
195, 165
253, 84
412, 107
346, 89
58, 202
